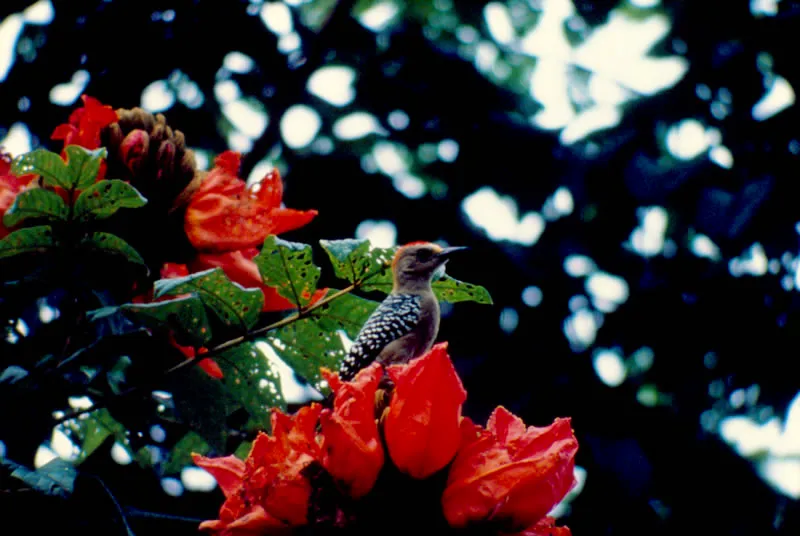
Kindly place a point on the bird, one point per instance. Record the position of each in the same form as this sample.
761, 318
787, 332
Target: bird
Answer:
405, 325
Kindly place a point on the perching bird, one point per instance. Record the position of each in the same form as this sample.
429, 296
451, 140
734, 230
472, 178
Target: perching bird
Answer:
405, 324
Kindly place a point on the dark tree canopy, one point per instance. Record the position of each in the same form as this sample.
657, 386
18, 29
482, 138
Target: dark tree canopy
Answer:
624, 178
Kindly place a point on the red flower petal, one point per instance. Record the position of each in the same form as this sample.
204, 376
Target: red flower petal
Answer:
229, 161
275, 464
351, 447
224, 215
288, 219
422, 426
85, 124
211, 368
546, 527
9, 188
64, 132
507, 473
97, 112
253, 523
227, 471
171, 270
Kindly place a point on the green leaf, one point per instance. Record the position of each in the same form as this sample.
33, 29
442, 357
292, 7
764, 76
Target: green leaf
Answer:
56, 477
446, 289
344, 255
50, 166
252, 380
185, 316
243, 450
314, 341
356, 262
84, 164
94, 429
36, 203
27, 240
102, 199
235, 305
112, 244
181, 454
451, 290
347, 312
116, 375
288, 267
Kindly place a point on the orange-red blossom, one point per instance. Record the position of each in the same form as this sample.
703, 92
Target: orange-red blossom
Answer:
506, 475
225, 221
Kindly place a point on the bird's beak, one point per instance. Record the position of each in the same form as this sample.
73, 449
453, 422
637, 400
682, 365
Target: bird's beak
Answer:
447, 252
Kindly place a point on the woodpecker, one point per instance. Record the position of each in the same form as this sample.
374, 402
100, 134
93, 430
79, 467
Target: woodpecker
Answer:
405, 324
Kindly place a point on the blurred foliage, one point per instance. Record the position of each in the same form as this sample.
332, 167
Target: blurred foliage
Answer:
627, 197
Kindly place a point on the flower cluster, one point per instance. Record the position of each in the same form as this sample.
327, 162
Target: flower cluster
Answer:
364, 460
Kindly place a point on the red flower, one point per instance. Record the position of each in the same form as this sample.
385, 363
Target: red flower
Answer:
225, 215
422, 425
502, 479
272, 491
351, 446
240, 268
508, 472
85, 124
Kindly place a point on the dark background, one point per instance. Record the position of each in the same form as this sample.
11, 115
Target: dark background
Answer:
650, 470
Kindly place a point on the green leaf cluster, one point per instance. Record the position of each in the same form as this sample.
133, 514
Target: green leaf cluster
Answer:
68, 196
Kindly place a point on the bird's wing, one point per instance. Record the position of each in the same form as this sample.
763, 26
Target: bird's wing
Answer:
396, 316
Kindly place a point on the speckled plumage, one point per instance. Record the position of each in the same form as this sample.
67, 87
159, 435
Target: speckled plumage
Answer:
395, 317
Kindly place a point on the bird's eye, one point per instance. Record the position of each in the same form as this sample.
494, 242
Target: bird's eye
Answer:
424, 255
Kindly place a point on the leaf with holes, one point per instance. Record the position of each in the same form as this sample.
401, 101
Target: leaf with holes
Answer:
235, 305
113, 245
355, 261
314, 341
28, 240
252, 381
288, 267
84, 164
49, 166
102, 199
185, 316
343, 254
36, 203
451, 290
180, 455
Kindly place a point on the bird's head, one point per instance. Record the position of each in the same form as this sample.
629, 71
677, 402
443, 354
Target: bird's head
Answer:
417, 263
